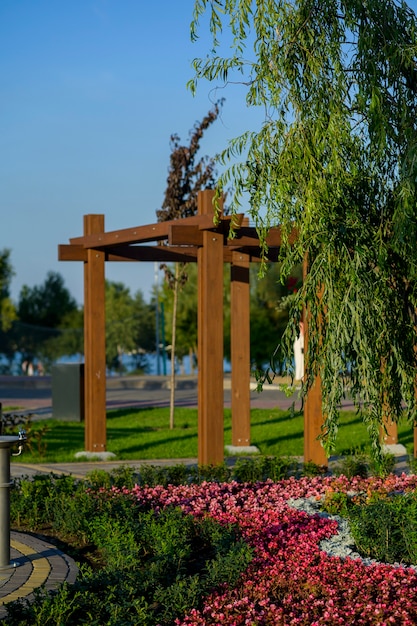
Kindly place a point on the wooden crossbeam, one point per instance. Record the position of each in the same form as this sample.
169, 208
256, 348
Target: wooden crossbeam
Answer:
71, 253
180, 235
168, 254
138, 234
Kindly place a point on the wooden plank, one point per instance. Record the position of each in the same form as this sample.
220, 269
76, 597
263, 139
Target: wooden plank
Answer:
71, 253
180, 235
94, 342
137, 234
240, 348
184, 254
210, 342
247, 236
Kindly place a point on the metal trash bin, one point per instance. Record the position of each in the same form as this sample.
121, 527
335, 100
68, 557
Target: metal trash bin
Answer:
68, 392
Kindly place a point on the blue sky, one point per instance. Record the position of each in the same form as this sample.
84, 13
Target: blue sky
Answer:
90, 92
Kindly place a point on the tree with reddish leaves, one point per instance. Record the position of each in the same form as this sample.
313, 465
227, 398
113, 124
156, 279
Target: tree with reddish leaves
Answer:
187, 175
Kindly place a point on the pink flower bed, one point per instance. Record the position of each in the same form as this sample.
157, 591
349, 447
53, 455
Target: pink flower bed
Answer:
290, 580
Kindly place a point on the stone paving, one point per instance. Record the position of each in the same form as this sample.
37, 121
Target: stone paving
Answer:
34, 563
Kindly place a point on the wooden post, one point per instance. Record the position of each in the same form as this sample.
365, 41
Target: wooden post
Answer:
389, 431
210, 341
313, 415
240, 348
94, 341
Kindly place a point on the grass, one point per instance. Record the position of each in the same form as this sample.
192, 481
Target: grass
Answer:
143, 434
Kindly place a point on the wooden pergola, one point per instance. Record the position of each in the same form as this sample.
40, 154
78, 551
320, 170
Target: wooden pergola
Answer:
192, 239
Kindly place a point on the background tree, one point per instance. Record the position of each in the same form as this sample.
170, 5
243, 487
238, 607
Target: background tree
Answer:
144, 331
270, 301
187, 175
130, 327
335, 157
269, 304
7, 309
120, 324
42, 311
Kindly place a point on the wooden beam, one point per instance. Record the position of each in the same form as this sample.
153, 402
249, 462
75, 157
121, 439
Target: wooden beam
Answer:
180, 235
94, 342
138, 234
71, 253
210, 341
240, 348
183, 254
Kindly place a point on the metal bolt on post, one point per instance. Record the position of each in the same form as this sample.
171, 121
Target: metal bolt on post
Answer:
6, 442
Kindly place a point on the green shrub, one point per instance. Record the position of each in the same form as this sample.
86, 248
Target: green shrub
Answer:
157, 565
335, 503
123, 476
354, 464
386, 529
311, 469
261, 468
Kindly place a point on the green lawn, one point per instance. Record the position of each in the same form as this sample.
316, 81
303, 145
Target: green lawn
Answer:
135, 434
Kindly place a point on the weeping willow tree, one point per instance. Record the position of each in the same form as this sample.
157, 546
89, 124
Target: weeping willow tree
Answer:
335, 157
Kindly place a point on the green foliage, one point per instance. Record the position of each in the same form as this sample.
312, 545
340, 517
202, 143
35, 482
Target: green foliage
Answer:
386, 528
269, 302
356, 463
335, 503
130, 326
311, 469
261, 468
153, 567
383, 526
7, 309
334, 158
360, 463
122, 476
42, 311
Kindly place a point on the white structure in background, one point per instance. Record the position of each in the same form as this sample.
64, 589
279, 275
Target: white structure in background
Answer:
299, 354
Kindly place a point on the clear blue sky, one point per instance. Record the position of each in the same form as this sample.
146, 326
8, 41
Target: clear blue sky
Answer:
90, 92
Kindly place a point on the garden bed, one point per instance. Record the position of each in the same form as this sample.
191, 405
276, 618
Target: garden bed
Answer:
283, 577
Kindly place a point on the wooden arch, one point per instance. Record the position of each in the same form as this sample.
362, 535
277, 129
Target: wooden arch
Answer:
194, 239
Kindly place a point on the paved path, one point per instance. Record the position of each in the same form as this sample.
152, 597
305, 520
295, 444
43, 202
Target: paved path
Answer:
35, 563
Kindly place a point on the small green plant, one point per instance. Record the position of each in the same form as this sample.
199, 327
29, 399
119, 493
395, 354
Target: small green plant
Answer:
311, 469
335, 503
219, 473
382, 466
386, 528
261, 468
356, 463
